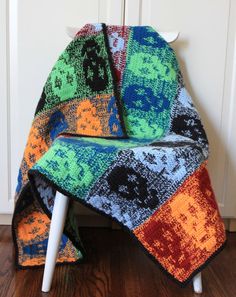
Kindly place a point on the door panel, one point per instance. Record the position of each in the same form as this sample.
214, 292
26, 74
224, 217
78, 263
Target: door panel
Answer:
34, 32
205, 50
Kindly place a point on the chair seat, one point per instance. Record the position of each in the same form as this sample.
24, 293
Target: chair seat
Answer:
127, 179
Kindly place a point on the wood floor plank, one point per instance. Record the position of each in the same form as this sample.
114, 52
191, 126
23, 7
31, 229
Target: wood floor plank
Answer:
116, 267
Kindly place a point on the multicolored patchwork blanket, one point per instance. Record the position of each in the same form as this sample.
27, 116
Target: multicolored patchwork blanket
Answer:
116, 130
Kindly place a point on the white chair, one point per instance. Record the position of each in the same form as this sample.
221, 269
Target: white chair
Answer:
168, 36
61, 207
55, 235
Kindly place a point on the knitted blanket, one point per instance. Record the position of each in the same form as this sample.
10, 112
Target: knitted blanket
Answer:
116, 130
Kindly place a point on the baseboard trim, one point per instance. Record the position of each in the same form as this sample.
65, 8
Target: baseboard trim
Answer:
230, 224
5, 219
96, 220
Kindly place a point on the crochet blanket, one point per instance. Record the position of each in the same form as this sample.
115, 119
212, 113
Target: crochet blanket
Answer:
116, 130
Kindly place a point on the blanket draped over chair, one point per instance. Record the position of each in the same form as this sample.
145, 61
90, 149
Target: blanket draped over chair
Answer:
116, 130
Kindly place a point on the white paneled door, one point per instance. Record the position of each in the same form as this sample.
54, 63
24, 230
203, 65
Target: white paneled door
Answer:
206, 50
33, 33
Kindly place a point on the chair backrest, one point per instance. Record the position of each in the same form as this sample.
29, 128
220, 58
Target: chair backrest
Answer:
147, 76
149, 85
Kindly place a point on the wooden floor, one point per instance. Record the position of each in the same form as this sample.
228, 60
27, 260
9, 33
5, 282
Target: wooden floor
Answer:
116, 268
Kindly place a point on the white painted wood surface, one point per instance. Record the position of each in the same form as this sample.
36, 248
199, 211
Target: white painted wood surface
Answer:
6, 204
207, 55
197, 283
206, 50
168, 36
32, 36
56, 228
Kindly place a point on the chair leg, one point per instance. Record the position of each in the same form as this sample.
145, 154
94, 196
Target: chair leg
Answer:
197, 283
55, 235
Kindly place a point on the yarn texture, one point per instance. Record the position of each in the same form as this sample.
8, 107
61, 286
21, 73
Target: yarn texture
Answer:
116, 130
